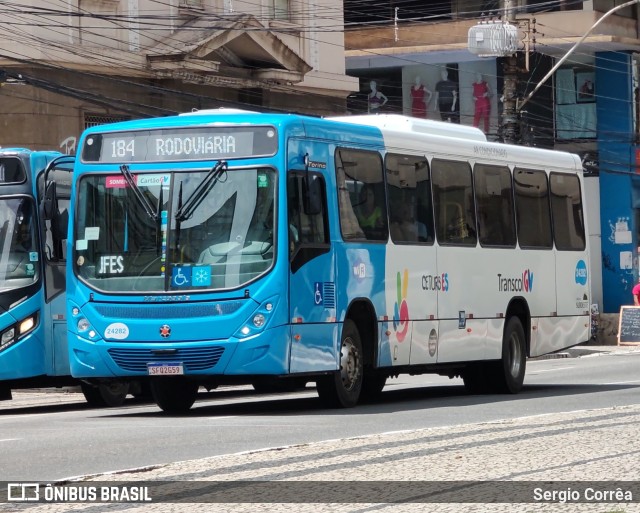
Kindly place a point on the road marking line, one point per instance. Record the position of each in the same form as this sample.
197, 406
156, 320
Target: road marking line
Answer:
9, 439
540, 371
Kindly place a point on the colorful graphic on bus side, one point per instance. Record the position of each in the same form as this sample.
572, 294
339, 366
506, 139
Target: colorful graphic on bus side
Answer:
401, 309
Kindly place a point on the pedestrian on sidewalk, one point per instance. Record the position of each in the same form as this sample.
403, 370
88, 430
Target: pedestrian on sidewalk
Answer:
636, 293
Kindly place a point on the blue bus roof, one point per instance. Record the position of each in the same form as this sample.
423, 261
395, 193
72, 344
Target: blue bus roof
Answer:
210, 116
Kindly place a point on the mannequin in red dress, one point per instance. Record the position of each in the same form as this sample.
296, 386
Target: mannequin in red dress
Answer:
420, 98
482, 102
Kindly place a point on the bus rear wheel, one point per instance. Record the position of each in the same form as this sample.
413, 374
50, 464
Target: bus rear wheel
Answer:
174, 394
342, 388
509, 371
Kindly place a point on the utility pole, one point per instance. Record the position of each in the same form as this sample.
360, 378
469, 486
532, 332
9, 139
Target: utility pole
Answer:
500, 38
510, 125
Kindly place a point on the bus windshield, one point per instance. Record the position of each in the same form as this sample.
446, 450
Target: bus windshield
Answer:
18, 245
148, 234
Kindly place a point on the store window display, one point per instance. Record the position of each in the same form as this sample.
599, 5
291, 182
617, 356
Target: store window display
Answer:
420, 99
377, 99
447, 98
482, 102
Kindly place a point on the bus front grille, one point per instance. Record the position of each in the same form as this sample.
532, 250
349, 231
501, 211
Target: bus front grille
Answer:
159, 311
193, 359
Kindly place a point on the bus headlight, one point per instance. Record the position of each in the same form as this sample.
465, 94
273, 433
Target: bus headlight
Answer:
7, 336
83, 324
258, 320
27, 325
18, 330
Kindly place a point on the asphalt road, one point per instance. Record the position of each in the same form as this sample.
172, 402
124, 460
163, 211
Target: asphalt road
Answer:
65, 438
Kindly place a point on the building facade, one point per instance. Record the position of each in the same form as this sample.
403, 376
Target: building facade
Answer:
589, 106
68, 65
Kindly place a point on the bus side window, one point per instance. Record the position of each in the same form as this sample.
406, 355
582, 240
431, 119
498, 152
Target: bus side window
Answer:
361, 195
533, 212
568, 218
409, 197
494, 198
305, 229
453, 203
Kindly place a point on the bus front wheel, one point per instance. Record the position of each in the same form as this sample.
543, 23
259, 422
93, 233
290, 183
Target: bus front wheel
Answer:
342, 388
174, 394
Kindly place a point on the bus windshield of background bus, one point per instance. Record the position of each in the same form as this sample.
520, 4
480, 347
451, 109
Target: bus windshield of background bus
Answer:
226, 242
19, 266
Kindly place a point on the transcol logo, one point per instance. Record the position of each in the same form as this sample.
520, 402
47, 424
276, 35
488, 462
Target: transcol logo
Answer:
523, 283
401, 309
581, 273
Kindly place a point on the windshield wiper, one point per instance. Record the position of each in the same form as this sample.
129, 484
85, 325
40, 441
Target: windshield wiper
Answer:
186, 210
142, 199
158, 219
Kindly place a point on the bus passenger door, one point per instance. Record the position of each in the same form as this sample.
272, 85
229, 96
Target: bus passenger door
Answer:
312, 299
54, 192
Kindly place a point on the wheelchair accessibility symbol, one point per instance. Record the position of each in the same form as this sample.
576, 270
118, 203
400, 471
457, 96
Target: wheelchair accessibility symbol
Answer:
181, 276
317, 297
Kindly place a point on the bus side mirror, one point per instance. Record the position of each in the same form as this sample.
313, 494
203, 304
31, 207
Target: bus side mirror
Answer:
58, 223
312, 194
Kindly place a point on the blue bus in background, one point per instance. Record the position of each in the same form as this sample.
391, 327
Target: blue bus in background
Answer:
222, 247
35, 189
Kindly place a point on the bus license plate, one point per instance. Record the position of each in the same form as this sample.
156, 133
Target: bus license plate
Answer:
165, 369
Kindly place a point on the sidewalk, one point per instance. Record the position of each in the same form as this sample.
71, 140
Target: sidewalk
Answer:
593, 350
496, 467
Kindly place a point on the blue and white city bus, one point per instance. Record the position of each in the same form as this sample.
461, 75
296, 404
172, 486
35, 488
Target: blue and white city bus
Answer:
33, 332
35, 189
229, 247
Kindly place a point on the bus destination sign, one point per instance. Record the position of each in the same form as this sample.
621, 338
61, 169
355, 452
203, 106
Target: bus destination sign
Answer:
181, 144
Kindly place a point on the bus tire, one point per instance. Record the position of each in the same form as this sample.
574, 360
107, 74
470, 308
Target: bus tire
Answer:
111, 394
342, 388
174, 394
509, 371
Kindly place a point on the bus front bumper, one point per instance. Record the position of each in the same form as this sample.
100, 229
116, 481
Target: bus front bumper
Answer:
266, 353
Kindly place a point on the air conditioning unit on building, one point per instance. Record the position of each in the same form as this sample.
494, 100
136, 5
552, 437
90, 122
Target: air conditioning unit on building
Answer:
493, 39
